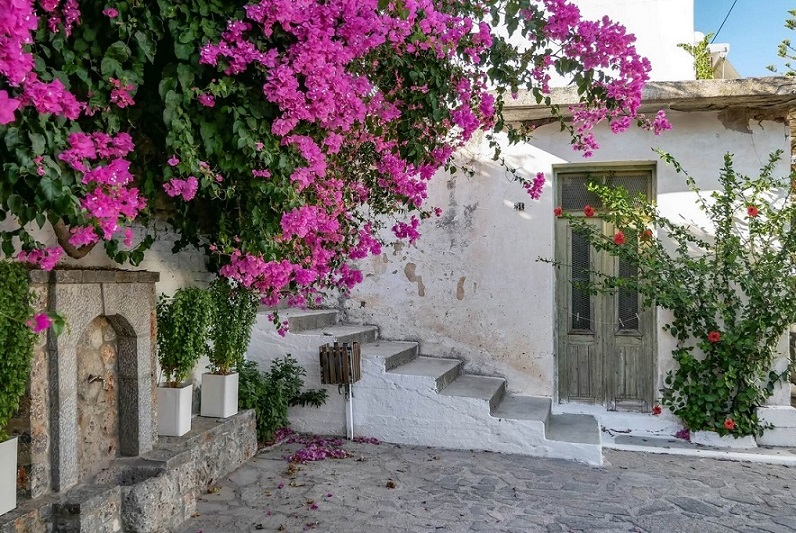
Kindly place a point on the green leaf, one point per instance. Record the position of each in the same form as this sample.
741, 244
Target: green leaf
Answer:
110, 67
146, 44
38, 142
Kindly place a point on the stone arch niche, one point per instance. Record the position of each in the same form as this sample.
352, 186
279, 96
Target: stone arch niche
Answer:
94, 383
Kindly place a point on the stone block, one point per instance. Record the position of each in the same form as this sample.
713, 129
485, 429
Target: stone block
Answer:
38, 276
68, 276
99, 276
95, 508
132, 301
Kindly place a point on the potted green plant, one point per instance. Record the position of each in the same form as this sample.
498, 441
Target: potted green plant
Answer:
234, 309
16, 349
183, 323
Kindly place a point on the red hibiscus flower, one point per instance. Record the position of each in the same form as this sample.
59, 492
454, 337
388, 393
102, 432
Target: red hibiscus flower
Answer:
619, 238
646, 235
588, 211
558, 211
656, 410
752, 211
729, 424
714, 336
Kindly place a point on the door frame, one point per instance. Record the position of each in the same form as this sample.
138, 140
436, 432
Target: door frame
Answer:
558, 170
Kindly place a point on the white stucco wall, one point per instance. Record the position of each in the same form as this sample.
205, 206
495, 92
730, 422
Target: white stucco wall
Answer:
472, 287
659, 26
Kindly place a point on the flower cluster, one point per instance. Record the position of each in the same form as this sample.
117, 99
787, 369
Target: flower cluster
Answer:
109, 200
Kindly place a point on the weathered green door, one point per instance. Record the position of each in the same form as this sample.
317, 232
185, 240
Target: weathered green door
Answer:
605, 341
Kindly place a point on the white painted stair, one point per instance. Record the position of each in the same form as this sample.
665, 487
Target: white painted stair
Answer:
407, 398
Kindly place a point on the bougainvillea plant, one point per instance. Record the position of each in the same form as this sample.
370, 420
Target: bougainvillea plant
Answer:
279, 136
728, 282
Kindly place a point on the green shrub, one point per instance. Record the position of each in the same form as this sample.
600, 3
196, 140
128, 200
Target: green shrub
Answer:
271, 393
16, 339
183, 323
234, 312
731, 293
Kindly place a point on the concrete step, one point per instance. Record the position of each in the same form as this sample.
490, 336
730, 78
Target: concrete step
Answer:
575, 428
487, 388
307, 319
443, 371
393, 353
524, 408
341, 334
303, 319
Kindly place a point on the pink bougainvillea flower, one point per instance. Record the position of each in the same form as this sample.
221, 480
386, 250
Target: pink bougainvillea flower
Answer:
173, 161
534, 189
752, 211
588, 211
558, 211
619, 238
39, 323
656, 410
258, 146
206, 100
7, 108
110, 12
186, 188
714, 336
729, 424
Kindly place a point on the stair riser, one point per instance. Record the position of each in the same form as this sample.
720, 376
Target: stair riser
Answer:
497, 398
401, 358
312, 321
448, 377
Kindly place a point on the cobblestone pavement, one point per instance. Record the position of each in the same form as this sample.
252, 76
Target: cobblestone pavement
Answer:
390, 488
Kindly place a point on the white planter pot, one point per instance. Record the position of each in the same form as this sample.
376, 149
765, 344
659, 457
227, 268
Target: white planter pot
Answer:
8, 475
174, 410
219, 395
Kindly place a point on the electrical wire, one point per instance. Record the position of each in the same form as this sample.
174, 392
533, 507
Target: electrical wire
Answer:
723, 21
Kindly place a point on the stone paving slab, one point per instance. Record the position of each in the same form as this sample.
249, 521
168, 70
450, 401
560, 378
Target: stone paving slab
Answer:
390, 488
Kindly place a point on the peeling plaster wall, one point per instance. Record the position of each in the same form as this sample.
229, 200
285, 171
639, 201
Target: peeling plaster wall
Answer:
472, 287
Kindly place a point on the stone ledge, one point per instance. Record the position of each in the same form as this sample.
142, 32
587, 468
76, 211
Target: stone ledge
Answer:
775, 95
75, 276
156, 492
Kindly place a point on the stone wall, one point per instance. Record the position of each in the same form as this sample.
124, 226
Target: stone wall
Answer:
153, 493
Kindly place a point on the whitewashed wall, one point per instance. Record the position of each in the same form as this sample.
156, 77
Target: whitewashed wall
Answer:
659, 26
176, 269
472, 288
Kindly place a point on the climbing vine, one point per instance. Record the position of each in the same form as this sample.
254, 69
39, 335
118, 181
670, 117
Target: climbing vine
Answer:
16, 339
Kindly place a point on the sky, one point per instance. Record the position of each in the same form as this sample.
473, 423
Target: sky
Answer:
754, 29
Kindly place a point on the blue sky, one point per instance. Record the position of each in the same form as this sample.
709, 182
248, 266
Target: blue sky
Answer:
754, 29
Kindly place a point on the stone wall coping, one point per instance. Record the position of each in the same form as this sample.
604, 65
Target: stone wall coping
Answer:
78, 276
774, 94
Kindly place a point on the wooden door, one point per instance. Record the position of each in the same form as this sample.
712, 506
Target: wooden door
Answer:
605, 341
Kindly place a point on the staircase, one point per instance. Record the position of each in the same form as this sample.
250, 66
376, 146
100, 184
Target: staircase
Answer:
408, 398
